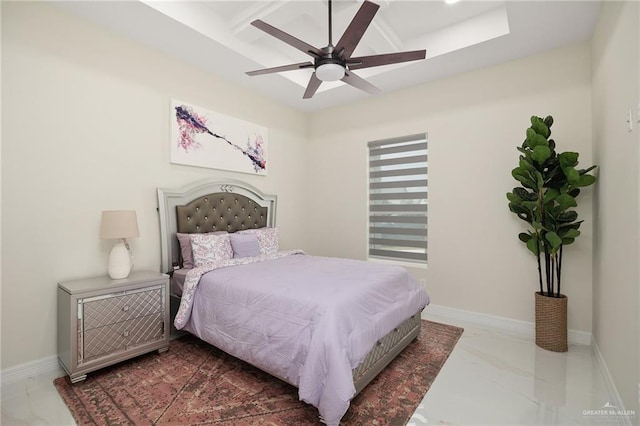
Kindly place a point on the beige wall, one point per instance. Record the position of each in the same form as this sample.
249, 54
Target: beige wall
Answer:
86, 128
474, 122
616, 89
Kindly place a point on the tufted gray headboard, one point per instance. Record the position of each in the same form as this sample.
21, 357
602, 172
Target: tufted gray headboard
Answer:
207, 206
224, 211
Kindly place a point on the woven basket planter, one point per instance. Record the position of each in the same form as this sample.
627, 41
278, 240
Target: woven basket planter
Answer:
551, 322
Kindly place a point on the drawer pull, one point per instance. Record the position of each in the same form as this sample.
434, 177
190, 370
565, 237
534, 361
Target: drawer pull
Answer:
125, 334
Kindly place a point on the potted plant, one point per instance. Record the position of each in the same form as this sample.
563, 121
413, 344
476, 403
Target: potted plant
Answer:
550, 183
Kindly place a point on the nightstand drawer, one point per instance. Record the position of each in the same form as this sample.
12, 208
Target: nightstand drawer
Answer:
105, 310
102, 341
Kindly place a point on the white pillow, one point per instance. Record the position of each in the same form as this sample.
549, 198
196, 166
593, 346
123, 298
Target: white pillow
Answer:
185, 247
208, 248
267, 239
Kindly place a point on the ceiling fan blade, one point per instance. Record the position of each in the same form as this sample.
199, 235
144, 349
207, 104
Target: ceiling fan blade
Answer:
360, 83
314, 83
386, 59
288, 38
354, 32
291, 67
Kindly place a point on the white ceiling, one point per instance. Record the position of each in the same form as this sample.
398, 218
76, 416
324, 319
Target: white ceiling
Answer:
217, 37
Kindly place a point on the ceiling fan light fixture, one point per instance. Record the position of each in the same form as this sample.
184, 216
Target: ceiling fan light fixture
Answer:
330, 72
331, 62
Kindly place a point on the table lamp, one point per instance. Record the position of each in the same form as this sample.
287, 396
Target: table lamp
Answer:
119, 224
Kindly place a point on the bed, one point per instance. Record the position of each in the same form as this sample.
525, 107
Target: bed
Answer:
325, 325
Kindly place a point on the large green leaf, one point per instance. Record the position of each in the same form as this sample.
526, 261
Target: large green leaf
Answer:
550, 195
524, 237
525, 162
523, 177
568, 216
539, 127
513, 198
525, 195
522, 212
586, 180
548, 120
533, 245
570, 233
574, 225
565, 201
538, 140
553, 239
567, 159
573, 177
541, 153
531, 134
539, 180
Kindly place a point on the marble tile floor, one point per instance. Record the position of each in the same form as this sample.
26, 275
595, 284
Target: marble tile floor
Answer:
491, 378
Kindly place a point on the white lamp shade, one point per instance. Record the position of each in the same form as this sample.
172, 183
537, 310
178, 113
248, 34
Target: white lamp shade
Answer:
119, 224
119, 262
330, 72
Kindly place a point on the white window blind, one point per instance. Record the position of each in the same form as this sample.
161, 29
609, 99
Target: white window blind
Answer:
398, 198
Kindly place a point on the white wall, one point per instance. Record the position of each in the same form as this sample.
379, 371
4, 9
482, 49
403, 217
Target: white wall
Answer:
474, 122
86, 128
616, 89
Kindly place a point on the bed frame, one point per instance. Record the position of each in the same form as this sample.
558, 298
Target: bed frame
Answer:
231, 206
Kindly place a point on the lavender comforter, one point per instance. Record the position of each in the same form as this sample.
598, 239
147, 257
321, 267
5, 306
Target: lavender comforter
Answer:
308, 320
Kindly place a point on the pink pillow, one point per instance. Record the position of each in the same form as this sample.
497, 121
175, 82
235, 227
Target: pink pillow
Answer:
267, 239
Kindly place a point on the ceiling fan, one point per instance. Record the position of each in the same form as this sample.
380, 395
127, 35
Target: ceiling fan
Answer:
332, 63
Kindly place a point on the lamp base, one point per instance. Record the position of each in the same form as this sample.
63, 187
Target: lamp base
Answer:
119, 262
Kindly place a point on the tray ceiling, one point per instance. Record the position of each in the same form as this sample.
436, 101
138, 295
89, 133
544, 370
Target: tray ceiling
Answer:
217, 37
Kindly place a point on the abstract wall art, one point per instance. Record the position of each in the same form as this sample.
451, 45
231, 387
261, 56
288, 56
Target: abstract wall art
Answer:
204, 138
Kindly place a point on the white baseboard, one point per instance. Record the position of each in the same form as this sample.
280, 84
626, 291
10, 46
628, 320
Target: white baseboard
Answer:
614, 396
24, 371
511, 326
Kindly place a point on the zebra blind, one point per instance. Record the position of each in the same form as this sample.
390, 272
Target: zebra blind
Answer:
398, 198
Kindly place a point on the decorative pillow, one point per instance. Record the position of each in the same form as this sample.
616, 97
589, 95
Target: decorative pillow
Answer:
208, 248
244, 245
267, 239
185, 247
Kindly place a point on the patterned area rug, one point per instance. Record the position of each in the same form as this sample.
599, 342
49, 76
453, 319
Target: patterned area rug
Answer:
196, 384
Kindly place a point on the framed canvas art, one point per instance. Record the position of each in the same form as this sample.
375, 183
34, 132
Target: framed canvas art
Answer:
204, 138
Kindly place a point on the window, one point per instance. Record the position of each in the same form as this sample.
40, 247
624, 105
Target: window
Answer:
398, 198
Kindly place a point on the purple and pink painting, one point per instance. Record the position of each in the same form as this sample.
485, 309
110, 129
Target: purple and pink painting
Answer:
209, 139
